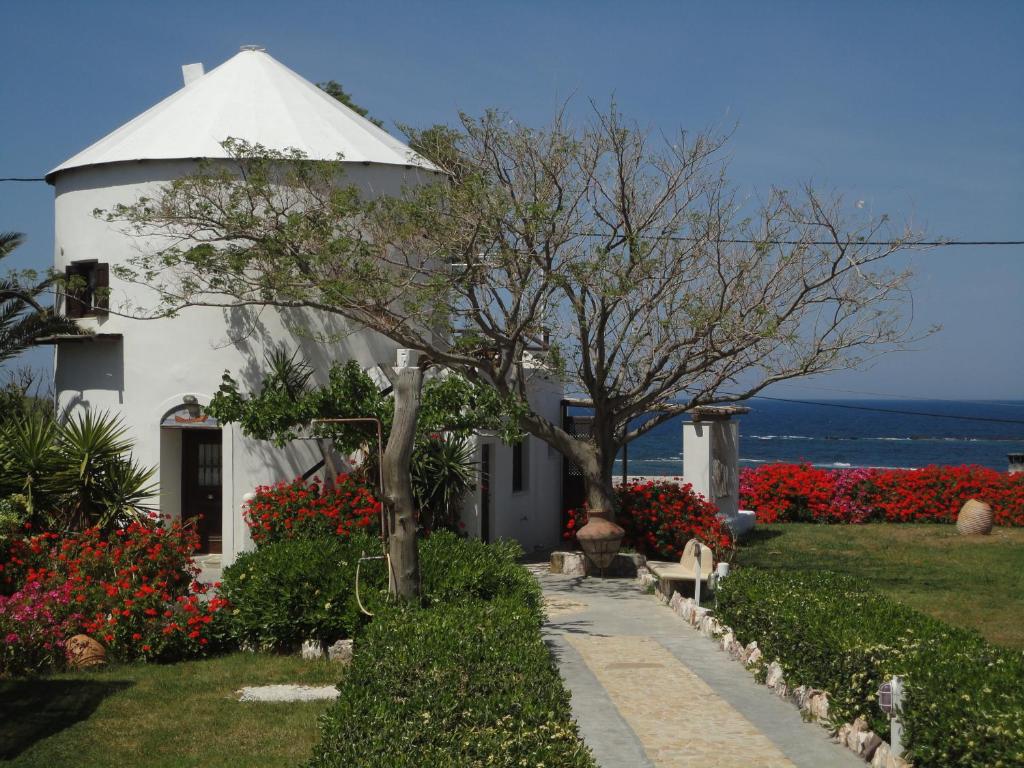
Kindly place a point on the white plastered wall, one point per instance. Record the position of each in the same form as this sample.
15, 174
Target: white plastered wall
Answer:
146, 372
532, 516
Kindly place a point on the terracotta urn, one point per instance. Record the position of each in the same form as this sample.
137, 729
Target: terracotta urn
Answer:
975, 518
600, 540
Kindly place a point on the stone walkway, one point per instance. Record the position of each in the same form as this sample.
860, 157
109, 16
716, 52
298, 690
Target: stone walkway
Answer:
649, 691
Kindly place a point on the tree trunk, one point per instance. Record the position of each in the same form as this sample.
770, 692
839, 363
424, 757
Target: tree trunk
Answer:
597, 476
331, 467
601, 537
404, 575
600, 495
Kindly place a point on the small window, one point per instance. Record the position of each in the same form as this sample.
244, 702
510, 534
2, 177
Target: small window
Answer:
520, 465
87, 288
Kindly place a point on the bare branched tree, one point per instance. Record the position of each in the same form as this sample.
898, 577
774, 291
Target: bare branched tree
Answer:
625, 264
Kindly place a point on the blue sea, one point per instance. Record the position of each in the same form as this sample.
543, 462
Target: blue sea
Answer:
854, 433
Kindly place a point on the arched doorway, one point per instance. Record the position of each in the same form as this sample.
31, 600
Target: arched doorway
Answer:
194, 439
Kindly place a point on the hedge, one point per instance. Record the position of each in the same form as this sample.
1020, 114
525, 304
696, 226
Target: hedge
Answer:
454, 569
468, 683
964, 698
294, 590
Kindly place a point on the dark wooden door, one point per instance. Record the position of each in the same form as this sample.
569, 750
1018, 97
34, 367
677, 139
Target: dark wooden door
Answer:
201, 485
485, 492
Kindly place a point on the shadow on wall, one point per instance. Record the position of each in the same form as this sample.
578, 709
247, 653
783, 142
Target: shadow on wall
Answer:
33, 710
89, 366
320, 339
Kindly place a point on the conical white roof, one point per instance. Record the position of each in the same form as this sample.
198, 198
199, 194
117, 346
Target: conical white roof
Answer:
254, 97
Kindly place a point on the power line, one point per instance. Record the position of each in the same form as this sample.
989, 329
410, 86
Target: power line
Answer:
891, 396
745, 241
891, 410
751, 241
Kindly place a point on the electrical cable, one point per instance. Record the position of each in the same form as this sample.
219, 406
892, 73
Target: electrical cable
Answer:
891, 410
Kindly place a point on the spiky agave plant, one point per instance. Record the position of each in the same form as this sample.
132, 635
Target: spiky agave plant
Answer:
442, 474
30, 463
104, 483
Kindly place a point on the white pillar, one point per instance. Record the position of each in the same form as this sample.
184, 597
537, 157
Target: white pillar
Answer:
711, 462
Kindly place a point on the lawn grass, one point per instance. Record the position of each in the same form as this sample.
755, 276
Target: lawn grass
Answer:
975, 582
143, 715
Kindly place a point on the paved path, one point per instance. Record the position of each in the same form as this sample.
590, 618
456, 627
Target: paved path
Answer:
650, 691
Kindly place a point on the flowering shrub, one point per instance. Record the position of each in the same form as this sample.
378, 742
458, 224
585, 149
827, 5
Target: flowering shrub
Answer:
802, 493
659, 517
791, 492
133, 589
34, 624
301, 510
935, 494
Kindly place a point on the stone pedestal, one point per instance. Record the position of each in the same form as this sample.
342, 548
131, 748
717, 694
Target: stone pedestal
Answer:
577, 564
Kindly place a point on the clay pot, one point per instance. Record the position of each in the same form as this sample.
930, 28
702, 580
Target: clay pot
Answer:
975, 518
600, 540
82, 651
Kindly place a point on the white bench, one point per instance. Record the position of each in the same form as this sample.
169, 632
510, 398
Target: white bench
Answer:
695, 566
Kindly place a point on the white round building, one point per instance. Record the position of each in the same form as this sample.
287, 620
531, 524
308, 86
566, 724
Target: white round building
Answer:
157, 374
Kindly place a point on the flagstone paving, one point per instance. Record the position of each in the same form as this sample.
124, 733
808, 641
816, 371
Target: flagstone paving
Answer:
650, 692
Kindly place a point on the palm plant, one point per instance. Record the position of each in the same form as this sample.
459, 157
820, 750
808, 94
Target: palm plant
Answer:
442, 474
125, 492
90, 444
74, 474
30, 463
23, 319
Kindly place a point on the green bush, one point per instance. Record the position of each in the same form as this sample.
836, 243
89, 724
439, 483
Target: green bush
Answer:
467, 683
301, 589
453, 569
964, 698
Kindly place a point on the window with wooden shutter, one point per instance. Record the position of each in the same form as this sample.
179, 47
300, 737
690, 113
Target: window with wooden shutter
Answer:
87, 288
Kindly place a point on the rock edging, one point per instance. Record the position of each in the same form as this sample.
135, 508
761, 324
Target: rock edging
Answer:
811, 702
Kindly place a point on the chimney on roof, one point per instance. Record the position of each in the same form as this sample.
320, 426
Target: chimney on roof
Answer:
191, 72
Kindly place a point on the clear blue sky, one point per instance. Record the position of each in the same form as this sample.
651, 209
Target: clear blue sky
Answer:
917, 108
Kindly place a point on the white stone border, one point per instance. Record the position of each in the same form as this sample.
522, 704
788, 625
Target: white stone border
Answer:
813, 703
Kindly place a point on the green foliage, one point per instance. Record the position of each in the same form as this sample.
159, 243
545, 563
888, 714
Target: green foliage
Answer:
29, 462
440, 145
333, 89
462, 684
285, 404
13, 516
22, 318
22, 396
302, 589
443, 472
454, 569
964, 700
452, 408
104, 483
79, 473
